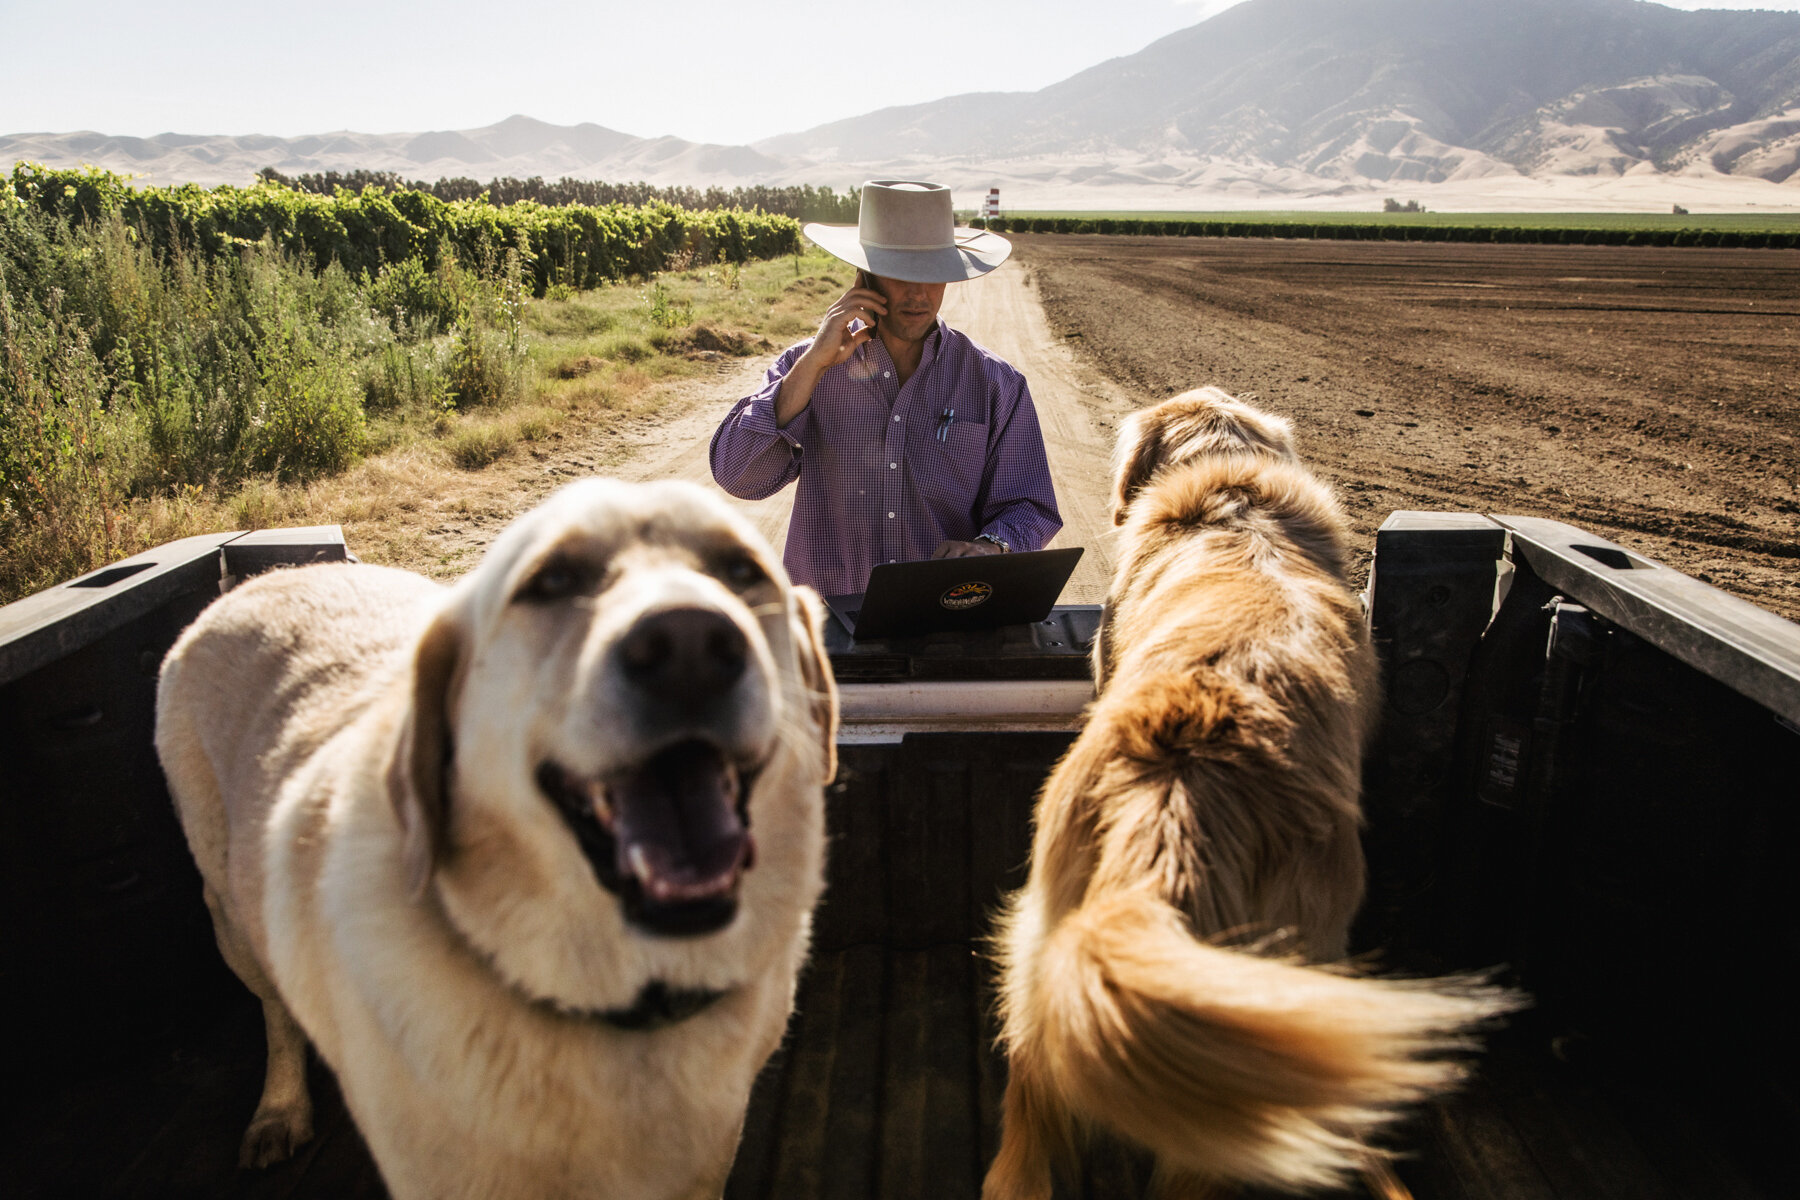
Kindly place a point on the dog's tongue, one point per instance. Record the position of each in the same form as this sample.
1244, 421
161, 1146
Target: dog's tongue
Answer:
677, 825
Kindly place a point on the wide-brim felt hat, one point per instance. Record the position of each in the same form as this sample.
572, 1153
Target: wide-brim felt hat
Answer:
907, 230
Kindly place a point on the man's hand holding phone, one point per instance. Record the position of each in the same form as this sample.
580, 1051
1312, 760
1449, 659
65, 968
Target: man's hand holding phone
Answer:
847, 324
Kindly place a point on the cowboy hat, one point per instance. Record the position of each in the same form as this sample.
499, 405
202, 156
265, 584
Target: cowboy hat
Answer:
907, 231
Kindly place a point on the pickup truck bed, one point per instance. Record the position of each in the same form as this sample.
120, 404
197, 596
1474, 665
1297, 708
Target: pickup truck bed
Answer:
1588, 775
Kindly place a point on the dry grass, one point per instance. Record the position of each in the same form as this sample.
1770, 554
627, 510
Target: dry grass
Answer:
477, 441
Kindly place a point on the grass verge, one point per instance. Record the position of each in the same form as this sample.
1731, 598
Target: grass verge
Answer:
587, 361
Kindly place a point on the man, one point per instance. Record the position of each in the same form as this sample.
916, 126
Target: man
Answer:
908, 440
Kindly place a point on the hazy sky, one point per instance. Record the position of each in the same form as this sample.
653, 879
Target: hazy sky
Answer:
729, 71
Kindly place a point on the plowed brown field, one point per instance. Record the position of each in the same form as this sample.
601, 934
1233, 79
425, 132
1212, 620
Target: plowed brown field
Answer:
1651, 395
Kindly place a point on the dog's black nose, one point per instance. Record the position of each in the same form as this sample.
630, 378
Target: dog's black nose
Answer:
686, 655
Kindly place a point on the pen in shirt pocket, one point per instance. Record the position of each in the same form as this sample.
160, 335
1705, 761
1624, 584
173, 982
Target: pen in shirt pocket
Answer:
943, 429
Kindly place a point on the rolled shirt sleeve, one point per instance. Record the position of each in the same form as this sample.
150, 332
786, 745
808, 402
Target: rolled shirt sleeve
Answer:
751, 457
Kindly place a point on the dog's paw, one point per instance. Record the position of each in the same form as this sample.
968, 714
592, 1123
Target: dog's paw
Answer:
273, 1137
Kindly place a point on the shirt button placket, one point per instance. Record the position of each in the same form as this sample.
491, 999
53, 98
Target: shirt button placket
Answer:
890, 492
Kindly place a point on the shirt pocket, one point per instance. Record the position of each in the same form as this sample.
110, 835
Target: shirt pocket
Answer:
954, 466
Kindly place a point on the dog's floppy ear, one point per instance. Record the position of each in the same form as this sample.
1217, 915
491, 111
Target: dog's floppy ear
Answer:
815, 672
1135, 460
417, 778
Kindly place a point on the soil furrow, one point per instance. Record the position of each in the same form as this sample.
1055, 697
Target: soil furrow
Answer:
1650, 394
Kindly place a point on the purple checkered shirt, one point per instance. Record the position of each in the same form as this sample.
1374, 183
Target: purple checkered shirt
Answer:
888, 472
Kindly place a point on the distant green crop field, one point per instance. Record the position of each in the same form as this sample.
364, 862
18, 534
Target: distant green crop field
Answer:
1741, 222
1747, 230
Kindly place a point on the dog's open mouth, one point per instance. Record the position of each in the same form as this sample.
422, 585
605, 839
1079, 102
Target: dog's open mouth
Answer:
670, 837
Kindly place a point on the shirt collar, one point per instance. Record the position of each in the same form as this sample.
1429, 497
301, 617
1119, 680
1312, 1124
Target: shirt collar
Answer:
933, 343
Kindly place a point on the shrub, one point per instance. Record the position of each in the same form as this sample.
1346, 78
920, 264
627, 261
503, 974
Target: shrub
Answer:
309, 424
574, 246
59, 494
415, 300
408, 377
482, 370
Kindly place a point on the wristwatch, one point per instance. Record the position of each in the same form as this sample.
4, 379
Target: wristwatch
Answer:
1000, 542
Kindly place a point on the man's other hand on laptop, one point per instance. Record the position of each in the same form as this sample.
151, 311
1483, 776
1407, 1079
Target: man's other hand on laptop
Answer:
967, 549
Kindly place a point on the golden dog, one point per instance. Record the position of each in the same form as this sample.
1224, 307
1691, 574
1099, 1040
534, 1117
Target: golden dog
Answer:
1201, 837
532, 860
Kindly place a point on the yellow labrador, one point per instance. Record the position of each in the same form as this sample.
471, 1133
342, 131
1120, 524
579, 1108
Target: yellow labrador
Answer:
532, 859
1199, 843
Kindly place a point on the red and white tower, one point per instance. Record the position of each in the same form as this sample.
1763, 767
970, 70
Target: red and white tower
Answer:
991, 209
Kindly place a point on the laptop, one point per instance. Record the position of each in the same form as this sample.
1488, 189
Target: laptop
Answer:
939, 595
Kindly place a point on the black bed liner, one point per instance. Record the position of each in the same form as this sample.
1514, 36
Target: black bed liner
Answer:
1595, 786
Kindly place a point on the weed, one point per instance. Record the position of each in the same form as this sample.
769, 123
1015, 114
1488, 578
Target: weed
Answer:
478, 444
402, 378
575, 368
487, 349
576, 317
626, 348
482, 373
665, 311
790, 325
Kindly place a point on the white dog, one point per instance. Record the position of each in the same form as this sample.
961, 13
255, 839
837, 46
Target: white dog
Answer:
531, 860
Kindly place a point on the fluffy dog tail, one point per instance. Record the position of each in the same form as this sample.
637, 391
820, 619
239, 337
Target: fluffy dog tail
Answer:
1232, 1065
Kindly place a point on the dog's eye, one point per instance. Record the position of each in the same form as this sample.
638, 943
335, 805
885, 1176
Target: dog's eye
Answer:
555, 580
742, 571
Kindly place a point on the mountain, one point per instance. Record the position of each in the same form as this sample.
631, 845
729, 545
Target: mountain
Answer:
1269, 100
1373, 91
518, 146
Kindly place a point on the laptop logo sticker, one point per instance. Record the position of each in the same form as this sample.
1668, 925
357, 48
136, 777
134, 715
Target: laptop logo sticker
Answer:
966, 595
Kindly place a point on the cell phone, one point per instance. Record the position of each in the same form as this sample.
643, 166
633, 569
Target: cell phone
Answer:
865, 280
